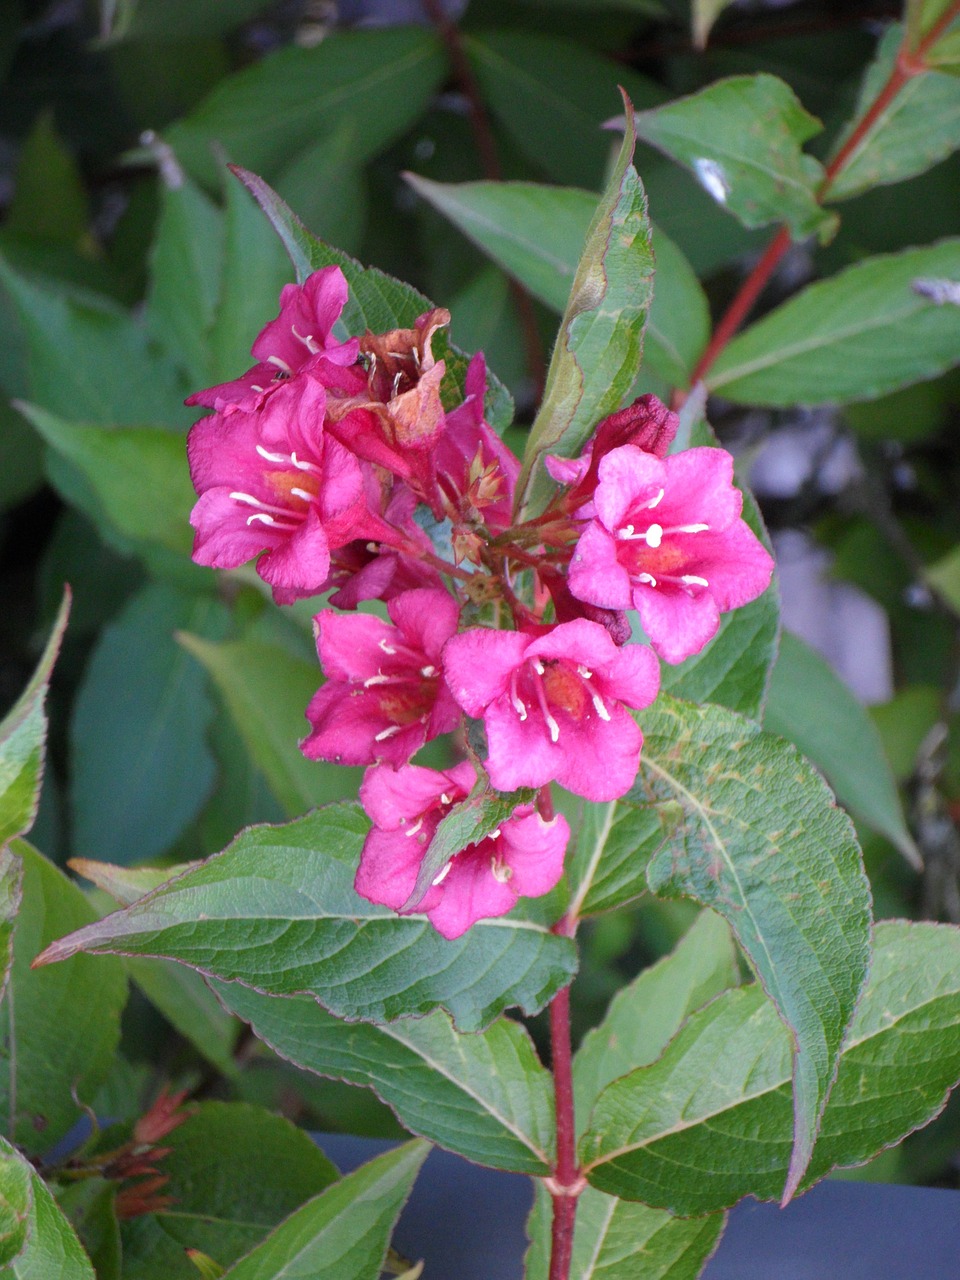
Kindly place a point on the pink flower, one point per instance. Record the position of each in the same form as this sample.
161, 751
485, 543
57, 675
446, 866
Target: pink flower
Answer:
553, 705
385, 695
272, 481
523, 857
301, 332
668, 538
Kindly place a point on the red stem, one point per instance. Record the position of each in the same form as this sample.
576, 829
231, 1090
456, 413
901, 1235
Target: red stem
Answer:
567, 1183
906, 66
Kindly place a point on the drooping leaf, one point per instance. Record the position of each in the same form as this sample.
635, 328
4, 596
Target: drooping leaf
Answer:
48, 1245
120, 466
812, 707
645, 1015
266, 691
751, 806
59, 1028
190, 1007
485, 1096
23, 733
49, 201
141, 764
600, 343
90, 361
920, 127
185, 267
278, 912
741, 138
235, 1171
855, 336
343, 1233
552, 95
90, 1208
536, 233
618, 1240
173, 19
381, 80
715, 1133
468, 822
703, 14
377, 301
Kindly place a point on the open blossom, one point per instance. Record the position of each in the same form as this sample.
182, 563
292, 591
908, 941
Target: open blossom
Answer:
668, 539
272, 481
292, 342
553, 705
522, 858
385, 695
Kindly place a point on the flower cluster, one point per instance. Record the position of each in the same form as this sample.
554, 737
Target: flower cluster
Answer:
337, 464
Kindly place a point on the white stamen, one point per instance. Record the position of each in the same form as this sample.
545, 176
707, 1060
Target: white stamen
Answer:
648, 578
552, 726
494, 834
373, 546
415, 828
427, 672
691, 580
281, 365
655, 502
538, 666
519, 706
379, 678
602, 711
302, 493
547, 822
500, 871
309, 341
248, 498
689, 528
443, 875
262, 516
444, 798
271, 457
386, 733
584, 672
382, 644
255, 387
302, 465
626, 533
654, 536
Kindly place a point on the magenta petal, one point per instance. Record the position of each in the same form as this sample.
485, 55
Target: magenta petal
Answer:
392, 798
471, 892
600, 758
346, 723
578, 641
634, 679
534, 850
221, 451
388, 868
628, 477
224, 539
298, 566
677, 624
426, 617
735, 563
699, 489
478, 664
352, 646
520, 751
596, 574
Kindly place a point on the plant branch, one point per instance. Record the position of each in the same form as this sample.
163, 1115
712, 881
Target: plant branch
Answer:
907, 65
567, 1182
490, 163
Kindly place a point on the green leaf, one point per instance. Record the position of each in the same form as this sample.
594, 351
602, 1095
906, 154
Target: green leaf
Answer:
342, 1234
190, 1007
710, 1121
485, 1096
235, 1171
278, 912
741, 138
377, 301
380, 80
16, 1203
468, 822
616, 1240
615, 841
922, 16
118, 381
920, 127
141, 765
120, 465
90, 1207
855, 336
59, 1028
645, 1015
157, 20
536, 234
326, 186
751, 802
11, 895
266, 691
49, 201
185, 266
600, 342
812, 707
552, 96
734, 668
51, 1250
23, 733
703, 14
